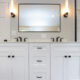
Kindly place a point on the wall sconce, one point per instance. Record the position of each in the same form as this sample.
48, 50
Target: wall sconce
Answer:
12, 14
66, 11
12, 9
66, 15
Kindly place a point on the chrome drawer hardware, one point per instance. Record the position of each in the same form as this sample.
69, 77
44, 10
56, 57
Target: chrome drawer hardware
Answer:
39, 76
39, 60
39, 47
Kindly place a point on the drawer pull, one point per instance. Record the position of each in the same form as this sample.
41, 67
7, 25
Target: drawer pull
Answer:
39, 60
39, 47
39, 77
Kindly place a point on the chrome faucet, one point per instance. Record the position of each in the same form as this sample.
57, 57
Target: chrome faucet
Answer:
25, 39
19, 39
57, 39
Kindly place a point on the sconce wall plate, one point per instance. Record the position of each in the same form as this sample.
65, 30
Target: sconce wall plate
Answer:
12, 15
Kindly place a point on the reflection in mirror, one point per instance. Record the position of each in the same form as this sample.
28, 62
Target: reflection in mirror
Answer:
39, 17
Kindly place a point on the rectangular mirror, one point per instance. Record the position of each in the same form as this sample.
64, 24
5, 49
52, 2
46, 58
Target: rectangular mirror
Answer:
39, 17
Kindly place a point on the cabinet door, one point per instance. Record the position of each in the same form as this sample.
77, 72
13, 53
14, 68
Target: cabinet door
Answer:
5, 69
18, 68
72, 68
57, 67
65, 68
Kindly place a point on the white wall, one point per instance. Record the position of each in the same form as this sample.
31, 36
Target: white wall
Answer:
67, 24
4, 20
78, 20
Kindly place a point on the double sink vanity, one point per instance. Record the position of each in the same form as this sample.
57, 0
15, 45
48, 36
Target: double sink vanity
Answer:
38, 31
40, 61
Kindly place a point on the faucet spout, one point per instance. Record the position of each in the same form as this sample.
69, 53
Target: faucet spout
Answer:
20, 38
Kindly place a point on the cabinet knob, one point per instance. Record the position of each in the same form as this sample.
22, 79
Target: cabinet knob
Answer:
9, 56
65, 56
69, 56
13, 56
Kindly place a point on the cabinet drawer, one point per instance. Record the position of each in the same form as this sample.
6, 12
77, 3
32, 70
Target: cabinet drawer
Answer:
39, 49
39, 46
39, 76
40, 61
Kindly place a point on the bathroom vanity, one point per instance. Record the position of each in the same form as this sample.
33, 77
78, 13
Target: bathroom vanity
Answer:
38, 30
40, 61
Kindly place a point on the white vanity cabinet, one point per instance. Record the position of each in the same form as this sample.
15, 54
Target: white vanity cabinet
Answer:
39, 60
65, 62
13, 62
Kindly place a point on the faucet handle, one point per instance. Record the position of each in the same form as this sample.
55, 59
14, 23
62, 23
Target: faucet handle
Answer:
57, 39
20, 38
25, 39
61, 39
